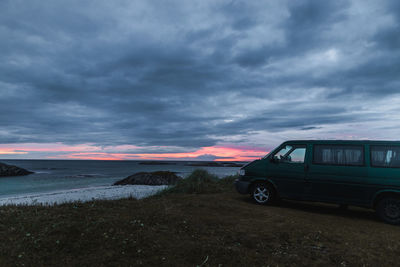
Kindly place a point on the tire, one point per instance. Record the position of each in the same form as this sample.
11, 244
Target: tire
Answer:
262, 193
388, 209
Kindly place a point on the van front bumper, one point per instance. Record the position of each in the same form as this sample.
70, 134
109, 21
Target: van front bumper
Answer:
242, 186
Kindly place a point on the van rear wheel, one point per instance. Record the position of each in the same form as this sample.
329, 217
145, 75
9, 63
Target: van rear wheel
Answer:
388, 209
262, 193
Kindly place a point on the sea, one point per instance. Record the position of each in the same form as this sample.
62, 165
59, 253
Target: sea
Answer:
58, 175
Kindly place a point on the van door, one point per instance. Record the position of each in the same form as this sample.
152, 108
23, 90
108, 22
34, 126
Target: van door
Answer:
384, 172
337, 174
287, 170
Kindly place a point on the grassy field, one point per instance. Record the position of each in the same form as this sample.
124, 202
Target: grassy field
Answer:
210, 226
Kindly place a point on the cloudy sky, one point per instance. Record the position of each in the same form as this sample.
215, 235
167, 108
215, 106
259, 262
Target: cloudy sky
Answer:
206, 80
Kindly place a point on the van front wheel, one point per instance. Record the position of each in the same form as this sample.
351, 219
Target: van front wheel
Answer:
388, 209
262, 193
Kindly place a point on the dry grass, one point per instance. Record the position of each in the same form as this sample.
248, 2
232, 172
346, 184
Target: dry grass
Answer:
180, 229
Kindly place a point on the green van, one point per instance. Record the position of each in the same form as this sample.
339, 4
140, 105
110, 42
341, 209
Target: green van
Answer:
359, 173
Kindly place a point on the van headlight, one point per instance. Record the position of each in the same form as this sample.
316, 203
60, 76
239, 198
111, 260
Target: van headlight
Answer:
242, 172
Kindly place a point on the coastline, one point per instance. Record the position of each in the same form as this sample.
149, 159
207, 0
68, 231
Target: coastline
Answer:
57, 175
83, 195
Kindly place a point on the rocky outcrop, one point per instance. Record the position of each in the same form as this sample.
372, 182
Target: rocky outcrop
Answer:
10, 170
150, 178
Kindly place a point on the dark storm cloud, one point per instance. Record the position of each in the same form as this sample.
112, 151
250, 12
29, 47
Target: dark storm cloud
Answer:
303, 31
191, 75
310, 19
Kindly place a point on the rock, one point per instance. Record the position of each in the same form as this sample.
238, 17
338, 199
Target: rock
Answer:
10, 170
150, 178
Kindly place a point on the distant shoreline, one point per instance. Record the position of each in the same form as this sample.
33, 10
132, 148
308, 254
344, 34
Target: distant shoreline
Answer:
52, 175
160, 161
197, 163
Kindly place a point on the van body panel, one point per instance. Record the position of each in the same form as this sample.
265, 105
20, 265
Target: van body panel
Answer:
337, 183
385, 191
351, 184
243, 187
257, 168
288, 178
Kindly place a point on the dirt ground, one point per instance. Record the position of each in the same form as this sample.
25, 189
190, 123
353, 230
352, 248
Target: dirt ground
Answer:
223, 229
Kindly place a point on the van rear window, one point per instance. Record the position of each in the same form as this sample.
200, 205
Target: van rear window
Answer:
385, 156
339, 155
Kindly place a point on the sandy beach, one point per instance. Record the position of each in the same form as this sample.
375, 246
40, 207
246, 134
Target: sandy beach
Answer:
83, 195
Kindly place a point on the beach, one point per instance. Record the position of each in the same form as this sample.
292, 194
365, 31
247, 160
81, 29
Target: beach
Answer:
63, 175
84, 195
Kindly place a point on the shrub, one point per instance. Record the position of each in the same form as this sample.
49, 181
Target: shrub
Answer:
202, 182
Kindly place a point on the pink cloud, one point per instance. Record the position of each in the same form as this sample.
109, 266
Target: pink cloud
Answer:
89, 151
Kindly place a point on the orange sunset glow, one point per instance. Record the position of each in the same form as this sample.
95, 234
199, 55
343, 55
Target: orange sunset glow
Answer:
10, 152
90, 152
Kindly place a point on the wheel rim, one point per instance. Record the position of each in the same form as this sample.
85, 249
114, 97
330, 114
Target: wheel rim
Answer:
261, 194
392, 209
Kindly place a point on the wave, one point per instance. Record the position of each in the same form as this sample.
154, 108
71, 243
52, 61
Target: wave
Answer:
51, 169
85, 175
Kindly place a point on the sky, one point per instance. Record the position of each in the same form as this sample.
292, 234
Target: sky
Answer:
194, 80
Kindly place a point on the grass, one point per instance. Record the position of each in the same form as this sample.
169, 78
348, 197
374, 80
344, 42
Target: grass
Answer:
196, 225
201, 182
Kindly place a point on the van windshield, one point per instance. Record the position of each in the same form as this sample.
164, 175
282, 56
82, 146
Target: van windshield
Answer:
281, 152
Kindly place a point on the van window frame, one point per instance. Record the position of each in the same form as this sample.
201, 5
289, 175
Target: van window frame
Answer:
376, 166
342, 145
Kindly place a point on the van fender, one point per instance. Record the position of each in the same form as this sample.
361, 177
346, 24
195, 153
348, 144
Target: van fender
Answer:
378, 195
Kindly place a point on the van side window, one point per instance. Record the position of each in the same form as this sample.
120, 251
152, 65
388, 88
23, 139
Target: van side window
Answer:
339, 155
385, 156
297, 155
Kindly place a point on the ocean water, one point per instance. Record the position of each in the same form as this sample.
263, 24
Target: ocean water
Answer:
56, 175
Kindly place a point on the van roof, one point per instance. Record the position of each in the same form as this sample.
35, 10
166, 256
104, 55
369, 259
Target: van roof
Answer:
358, 142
